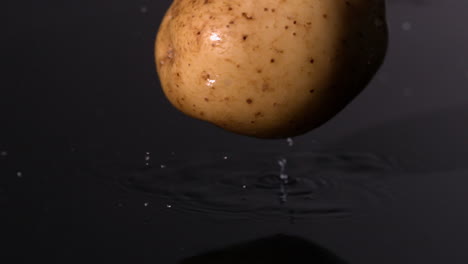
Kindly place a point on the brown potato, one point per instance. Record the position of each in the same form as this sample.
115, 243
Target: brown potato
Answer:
269, 68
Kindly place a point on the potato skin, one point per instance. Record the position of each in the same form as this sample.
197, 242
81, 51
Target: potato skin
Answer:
269, 68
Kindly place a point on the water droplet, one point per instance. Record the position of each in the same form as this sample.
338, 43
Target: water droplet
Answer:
406, 26
282, 162
283, 176
225, 157
146, 204
163, 166
19, 174
3, 153
290, 141
168, 206
244, 186
143, 9
147, 158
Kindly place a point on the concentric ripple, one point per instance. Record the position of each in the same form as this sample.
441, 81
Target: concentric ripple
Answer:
248, 185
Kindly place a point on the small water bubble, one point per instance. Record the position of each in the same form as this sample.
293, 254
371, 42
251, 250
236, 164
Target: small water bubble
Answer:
143, 9
3, 153
19, 174
290, 141
406, 26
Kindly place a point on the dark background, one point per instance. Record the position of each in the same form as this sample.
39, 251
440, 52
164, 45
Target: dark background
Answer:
79, 89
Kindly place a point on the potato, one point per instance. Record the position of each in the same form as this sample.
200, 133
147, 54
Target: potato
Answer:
269, 68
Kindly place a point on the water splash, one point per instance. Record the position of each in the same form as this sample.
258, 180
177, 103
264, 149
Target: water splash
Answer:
282, 162
245, 185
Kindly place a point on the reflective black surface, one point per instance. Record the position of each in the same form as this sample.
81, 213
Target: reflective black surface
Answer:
274, 249
80, 108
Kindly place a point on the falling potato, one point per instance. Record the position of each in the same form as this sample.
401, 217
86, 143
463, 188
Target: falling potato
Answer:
269, 68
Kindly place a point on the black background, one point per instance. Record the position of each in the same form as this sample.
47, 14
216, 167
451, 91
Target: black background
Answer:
79, 89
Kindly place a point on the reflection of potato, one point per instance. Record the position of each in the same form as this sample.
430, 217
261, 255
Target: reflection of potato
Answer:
270, 250
269, 68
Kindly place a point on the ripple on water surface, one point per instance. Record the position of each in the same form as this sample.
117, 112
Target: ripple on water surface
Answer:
252, 185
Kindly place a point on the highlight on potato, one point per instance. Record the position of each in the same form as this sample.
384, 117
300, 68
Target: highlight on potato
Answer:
269, 68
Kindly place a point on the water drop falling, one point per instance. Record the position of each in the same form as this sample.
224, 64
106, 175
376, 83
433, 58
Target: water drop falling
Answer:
147, 159
163, 166
284, 180
145, 204
19, 174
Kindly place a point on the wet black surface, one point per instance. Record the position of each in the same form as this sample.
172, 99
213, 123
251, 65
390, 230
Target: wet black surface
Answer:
80, 107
